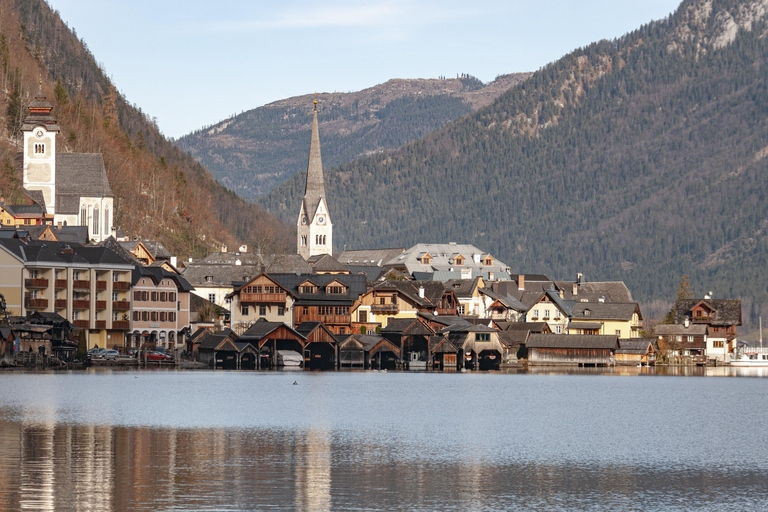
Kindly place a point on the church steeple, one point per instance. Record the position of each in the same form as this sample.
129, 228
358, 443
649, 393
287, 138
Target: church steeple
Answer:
314, 224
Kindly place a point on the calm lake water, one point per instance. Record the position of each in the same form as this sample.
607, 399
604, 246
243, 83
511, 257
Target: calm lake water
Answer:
546, 440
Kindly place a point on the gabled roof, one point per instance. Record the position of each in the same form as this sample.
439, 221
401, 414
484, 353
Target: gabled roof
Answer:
407, 289
727, 312
222, 275
605, 311
680, 329
463, 287
321, 263
287, 263
262, 328
355, 286
442, 319
210, 341
370, 257
79, 175
536, 327
441, 258
407, 326
635, 346
507, 300
577, 341
157, 274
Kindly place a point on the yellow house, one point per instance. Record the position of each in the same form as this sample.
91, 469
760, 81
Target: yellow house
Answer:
389, 300
22, 214
550, 308
622, 319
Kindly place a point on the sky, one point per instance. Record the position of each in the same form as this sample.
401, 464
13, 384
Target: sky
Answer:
193, 63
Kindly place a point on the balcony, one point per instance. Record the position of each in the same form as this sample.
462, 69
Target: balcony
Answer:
101, 305
81, 304
263, 298
335, 319
121, 285
385, 308
36, 303
36, 283
60, 284
446, 311
702, 319
81, 324
101, 285
60, 303
101, 324
81, 285
120, 324
121, 305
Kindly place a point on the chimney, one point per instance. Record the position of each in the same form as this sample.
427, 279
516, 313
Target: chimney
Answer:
223, 248
579, 278
562, 293
521, 282
601, 299
575, 289
687, 322
58, 225
421, 292
67, 250
243, 248
174, 260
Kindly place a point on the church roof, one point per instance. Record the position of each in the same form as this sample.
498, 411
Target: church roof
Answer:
79, 175
315, 186
40, 114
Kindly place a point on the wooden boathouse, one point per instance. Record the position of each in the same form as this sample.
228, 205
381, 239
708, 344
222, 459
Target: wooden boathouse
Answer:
270, 337
321, 350
572, 349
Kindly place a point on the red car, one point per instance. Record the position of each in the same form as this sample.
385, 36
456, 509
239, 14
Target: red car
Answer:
157, 356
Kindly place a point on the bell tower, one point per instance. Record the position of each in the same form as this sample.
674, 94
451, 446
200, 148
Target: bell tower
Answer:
39, 130
314, 228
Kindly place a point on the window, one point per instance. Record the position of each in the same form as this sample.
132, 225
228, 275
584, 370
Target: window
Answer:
153, 316
145, 296
362, 316
163, 316
546, 314
482, 336
717, 343
96, 220
172, 316
280, 310
307, 289
303, 240
535, 313
115, 296
39, 148
244, 311
163, 296
488, 262
460, 309
145, 316
115, 277
342, 330
690, 339
137, 295
76, 315
557, 314
212, 297
558, 329
171, 296
208, 279
136, 316
155, 296
83, 216
382, 301
262, 310
106, 220
334, 289
305, 310
618, 333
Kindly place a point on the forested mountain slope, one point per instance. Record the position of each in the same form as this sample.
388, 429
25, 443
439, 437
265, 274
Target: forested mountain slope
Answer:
640, 159
256, 151
161, 192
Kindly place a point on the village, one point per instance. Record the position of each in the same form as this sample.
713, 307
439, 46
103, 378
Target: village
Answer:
72, 282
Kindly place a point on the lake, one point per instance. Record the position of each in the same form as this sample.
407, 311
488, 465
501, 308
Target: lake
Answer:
623, 439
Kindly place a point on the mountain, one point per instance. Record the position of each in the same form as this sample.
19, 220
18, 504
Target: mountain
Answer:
161, 192
256, 151
640, 159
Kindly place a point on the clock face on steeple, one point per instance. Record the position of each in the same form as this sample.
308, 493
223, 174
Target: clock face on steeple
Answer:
321, 220
39, 133
303, 220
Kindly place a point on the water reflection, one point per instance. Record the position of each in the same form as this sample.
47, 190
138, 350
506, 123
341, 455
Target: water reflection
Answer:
393, 441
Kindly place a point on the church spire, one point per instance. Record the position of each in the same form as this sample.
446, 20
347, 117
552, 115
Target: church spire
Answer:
314, 189
315, 230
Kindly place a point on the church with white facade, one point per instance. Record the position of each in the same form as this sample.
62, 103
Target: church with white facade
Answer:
74, 186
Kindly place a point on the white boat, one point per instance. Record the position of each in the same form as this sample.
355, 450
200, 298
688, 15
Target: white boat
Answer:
751, 360
289, 358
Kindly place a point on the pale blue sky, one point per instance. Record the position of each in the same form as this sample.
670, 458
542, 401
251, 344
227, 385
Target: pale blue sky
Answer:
193, 63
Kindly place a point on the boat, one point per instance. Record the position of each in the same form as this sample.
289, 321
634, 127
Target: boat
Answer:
289, 358
751, 360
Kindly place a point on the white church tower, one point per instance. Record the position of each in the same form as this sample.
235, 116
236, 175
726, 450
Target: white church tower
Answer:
315, 231
39, 130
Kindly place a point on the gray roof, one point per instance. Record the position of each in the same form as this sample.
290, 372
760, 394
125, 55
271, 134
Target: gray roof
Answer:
634, 346
157, 249
24, 210
157, 274
356, 286
681, 329
370, 272
408, 290
443, 258
514, 338
726, 312
261, 328
443, 319
79, 175
401, 325
462, 287
285, 263
326, 263
605, 310
508, 300
537, 327
76, 234
45, 118
222, 275
314, 189
43, 251
610, 291
370, 257
593, 341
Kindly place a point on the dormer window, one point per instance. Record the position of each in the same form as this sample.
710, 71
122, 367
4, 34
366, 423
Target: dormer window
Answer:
208, 279
307, 289
334, 289
459, 260
587, 312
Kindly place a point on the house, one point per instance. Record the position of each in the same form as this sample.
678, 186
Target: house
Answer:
572, 349
619, 318
369, 261
389, 300
87, 285
468, 295
213, 276
222, 350
553, 310
321, 347
160, 308
501, 307
22, 215
261, 297
440, 322
636, 351
464, 261
682, 343
721, 317
479, 346
326, 298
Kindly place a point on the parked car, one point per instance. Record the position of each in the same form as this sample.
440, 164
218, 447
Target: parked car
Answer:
96, 353
157, 356
110, 354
